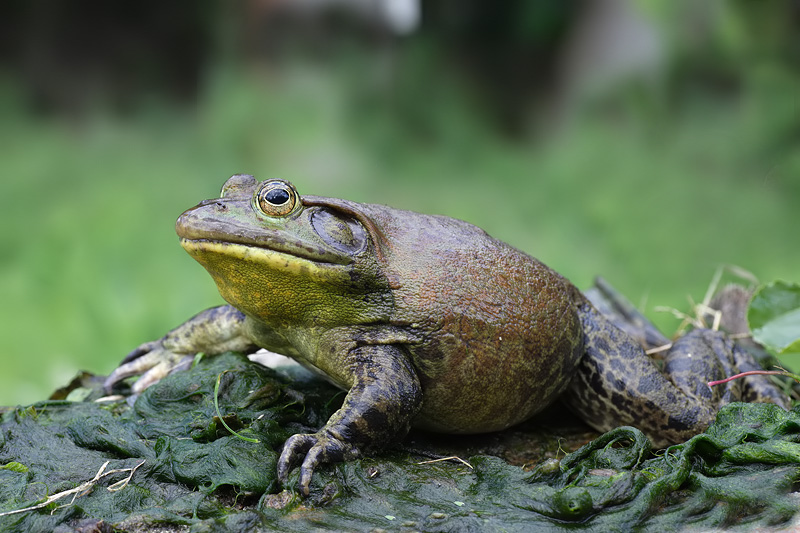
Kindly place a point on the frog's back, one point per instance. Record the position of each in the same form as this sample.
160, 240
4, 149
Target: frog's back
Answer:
499, 332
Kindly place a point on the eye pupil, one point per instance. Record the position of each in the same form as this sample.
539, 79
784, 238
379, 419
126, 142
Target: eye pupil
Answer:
277, 196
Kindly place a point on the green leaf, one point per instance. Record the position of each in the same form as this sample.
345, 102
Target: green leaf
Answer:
774, 316
15, 467
79, 394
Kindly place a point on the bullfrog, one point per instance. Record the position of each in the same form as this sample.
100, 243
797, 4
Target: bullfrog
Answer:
426, 321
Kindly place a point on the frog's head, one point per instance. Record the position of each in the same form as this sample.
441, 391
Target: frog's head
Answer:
283, 259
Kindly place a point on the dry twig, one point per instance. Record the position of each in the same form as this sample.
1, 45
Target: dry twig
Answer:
451, 458
82, 489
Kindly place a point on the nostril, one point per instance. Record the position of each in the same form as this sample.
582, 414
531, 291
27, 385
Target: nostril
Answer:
217, 202
221, 206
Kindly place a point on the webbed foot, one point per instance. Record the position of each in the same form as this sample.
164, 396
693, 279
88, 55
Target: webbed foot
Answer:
312, 449
152, 360
213, 331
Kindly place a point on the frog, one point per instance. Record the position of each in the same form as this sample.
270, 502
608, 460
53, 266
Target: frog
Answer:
427, 322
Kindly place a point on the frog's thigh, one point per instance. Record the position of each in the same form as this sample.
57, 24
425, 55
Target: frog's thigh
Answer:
617, 384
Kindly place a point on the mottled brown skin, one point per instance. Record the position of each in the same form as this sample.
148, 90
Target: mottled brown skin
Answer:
470, 307
426, 321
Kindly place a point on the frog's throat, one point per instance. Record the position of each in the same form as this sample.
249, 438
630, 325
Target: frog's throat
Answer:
203, 250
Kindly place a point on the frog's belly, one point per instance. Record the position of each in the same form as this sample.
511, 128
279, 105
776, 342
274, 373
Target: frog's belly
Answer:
480, 400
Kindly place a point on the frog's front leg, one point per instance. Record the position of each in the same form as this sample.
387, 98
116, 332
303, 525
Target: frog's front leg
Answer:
377, 410
215, 330
618, 384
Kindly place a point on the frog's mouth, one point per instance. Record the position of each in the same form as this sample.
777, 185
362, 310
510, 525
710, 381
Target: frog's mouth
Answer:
202, 234
264, 254
203, 250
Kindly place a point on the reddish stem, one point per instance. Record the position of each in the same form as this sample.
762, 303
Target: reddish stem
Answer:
750, 373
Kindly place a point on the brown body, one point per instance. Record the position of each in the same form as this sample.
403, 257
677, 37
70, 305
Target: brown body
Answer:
498, 335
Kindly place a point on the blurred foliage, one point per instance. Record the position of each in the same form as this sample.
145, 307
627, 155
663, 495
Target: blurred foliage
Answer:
651, 182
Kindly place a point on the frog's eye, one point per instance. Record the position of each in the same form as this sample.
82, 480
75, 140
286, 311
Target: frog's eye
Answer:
276, 198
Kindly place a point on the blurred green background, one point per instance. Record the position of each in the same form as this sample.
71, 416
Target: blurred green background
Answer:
649, 141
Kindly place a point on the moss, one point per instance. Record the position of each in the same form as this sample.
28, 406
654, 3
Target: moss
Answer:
196, 474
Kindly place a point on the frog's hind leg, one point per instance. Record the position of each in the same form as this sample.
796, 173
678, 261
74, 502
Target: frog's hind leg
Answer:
618, 384
623, 314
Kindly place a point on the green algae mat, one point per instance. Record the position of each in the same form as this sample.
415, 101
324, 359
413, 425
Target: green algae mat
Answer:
169, 463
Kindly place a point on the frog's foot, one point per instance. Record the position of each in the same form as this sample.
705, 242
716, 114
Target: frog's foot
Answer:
152, 360
212, 331
378, 409
313, 450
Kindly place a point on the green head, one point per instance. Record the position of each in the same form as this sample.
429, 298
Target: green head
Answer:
287, 260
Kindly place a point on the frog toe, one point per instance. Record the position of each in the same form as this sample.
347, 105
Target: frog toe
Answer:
330, 451
314, 450
121, 372
152, 376
140, 350
294, 449
152, 366
184, 362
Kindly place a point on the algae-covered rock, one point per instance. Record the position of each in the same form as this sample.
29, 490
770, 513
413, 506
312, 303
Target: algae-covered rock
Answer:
172, 465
